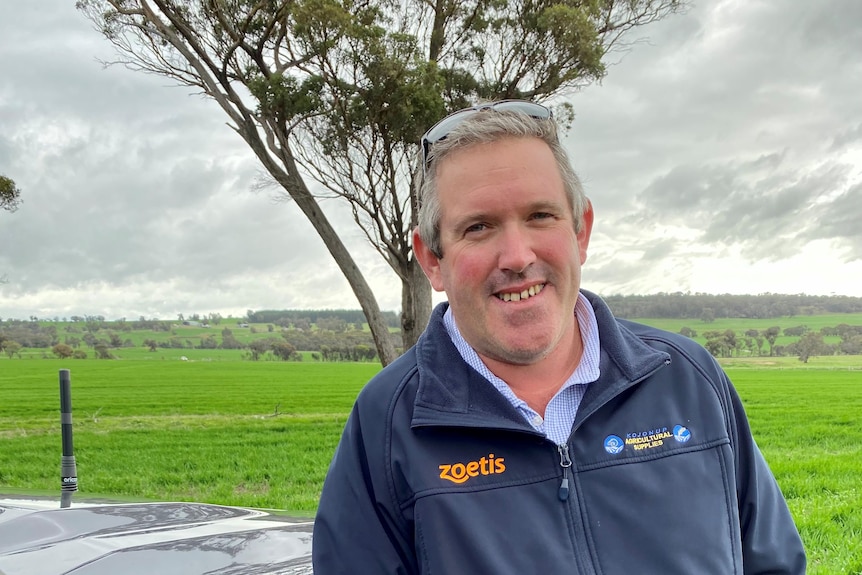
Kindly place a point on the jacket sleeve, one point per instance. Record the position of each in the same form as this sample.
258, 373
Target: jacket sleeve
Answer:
770, 540
359, 528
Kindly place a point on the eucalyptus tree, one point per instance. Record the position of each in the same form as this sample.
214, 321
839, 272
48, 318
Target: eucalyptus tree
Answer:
332, 96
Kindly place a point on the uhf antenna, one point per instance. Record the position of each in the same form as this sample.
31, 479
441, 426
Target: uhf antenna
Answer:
68, 469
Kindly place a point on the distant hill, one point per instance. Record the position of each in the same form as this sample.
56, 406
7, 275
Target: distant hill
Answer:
711, 306
660, 306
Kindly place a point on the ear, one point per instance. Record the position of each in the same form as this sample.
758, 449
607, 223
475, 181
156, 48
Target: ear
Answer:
430, 263
583, 236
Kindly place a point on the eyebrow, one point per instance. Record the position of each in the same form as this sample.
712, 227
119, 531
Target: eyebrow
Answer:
484, 215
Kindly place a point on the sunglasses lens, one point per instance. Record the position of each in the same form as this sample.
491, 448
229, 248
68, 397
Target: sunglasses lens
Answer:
442, 128
529, 108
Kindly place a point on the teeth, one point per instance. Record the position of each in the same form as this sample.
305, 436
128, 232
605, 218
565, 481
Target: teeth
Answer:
518, 296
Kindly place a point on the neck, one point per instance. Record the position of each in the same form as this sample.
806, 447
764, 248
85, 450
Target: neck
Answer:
537, 383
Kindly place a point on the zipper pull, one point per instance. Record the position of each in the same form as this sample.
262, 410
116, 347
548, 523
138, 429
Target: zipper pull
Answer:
565, 463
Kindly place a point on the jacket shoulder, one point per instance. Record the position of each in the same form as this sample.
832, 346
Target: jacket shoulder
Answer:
677, 345
389, 382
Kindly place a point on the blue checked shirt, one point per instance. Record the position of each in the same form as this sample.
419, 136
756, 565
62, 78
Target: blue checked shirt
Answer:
559, 416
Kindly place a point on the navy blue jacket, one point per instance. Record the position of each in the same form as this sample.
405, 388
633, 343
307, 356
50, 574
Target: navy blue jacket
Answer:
436, 473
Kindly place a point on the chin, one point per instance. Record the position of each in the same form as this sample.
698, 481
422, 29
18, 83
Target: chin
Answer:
522, 354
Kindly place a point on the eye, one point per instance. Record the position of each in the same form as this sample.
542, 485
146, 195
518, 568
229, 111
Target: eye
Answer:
542, 216
477, 227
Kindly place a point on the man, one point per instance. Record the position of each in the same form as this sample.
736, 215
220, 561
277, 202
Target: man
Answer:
529, 431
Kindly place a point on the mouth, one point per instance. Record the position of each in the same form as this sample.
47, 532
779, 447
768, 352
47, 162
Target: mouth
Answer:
521, 295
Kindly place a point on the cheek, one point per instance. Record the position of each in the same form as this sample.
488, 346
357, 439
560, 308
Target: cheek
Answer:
566, 257
467, 268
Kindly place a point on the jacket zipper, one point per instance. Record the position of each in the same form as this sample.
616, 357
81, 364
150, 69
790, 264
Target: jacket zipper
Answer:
565, 463
585, 565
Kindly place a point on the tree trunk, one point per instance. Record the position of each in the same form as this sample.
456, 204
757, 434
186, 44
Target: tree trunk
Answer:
415, 304
291, 180
347, 265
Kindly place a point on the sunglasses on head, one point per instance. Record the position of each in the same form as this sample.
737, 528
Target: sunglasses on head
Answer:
441, 129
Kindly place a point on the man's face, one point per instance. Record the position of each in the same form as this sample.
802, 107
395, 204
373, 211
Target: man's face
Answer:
511, 262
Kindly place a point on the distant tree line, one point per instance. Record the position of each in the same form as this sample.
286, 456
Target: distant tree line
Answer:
728, 343
94, 323
292, 318
676, 305
332, 339
709, 307
345, 343
28, 333
340, 335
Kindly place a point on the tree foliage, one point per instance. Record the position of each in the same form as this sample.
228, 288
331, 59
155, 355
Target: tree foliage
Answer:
10, 199
10, 194
809, 345
62, 351
771, 334
12, 348
339, 92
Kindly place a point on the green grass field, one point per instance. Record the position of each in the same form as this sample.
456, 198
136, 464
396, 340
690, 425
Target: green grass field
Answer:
249, 433
815, 322
261, 434
741, 325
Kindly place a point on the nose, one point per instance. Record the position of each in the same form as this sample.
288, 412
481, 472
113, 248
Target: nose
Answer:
516, 249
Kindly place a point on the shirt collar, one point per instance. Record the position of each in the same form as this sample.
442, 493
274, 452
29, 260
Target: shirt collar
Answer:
587, 370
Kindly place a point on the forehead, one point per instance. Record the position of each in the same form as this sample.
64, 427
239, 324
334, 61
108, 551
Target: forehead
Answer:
510, 168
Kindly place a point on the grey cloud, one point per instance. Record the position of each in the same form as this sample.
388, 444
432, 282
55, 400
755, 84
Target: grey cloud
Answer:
611, 276
779, 210
659, 249
620, 264
614, 276
831, 26
840, 218
123, 215
699, 190
763, 205
742, 79
770, 208
846, 137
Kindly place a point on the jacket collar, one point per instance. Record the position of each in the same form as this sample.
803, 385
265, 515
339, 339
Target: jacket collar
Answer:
451, 392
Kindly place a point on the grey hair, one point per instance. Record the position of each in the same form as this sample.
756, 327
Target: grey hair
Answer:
485, 127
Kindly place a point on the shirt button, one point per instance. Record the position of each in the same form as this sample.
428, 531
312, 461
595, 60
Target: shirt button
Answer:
537, 420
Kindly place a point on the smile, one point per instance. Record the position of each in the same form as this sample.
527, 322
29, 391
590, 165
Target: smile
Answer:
518, 296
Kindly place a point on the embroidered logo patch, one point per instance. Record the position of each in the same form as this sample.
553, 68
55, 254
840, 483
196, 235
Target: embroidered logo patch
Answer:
681, 433
614, 444
461, 472
648, 439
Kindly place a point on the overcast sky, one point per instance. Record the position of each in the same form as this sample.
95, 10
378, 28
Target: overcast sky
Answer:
722, 155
